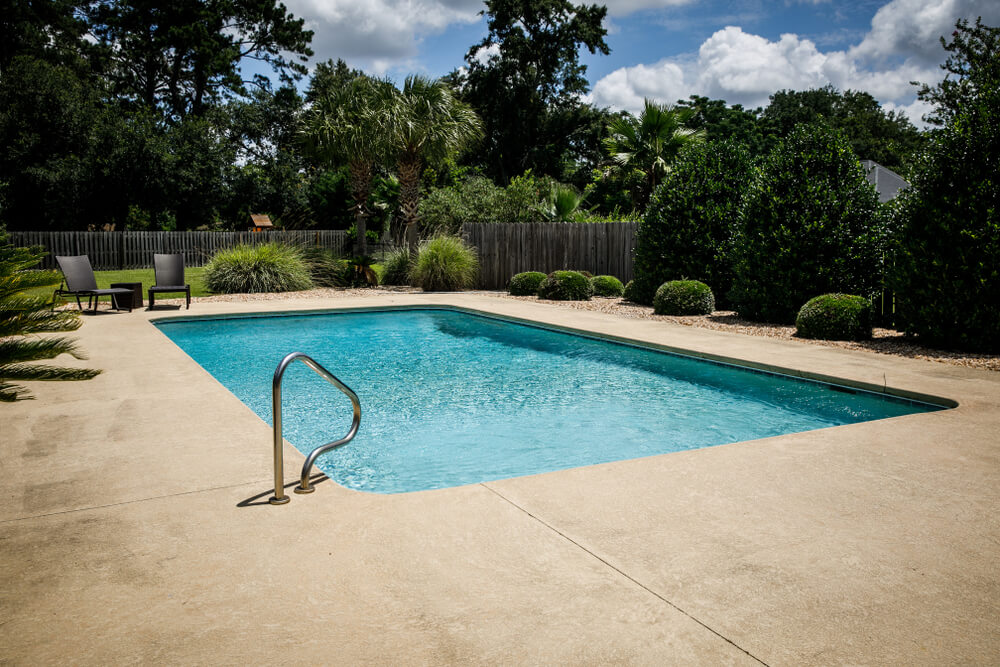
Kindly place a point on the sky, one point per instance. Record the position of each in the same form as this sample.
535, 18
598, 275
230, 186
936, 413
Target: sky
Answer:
740, 51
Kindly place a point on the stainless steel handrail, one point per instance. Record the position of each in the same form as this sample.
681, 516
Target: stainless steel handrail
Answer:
304, 486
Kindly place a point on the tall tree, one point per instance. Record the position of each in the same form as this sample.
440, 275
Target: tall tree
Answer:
350, 125
183, 56
649, 143
973, 65
727, 123
525, 80
49, 30
889, 138
427, 126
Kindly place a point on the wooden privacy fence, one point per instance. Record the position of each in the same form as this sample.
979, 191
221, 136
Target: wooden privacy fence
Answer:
602, 248
134, 250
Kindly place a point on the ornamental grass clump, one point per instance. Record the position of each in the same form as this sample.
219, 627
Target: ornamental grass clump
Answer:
396, 267
835, 317
566, 286
445, 264
607, 286
271, 267
526, 284
684, 297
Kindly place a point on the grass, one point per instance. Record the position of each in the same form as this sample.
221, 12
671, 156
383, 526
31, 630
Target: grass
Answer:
192, 276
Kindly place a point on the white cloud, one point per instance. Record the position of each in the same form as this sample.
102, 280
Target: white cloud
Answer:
378, 33
744, 68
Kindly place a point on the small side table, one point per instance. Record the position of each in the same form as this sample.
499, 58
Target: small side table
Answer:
119, 300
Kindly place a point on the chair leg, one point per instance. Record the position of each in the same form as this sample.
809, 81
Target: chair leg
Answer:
188, 292
152, 299
78, 305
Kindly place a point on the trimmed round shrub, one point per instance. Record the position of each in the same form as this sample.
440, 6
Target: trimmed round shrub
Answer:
684, 297
945, 275
396, 268
525, 284
812, 224
607, 286
270, 267
835, 317
566, 286
445, 264
691, 220
631, 292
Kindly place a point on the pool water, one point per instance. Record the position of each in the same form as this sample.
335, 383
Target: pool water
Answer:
452, 398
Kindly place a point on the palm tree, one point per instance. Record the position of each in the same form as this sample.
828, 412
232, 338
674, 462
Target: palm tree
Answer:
649, 143
350, 124
563, 204
428, 125
21, 315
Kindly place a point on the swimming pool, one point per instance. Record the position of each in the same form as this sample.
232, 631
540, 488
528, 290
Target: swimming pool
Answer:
451, 397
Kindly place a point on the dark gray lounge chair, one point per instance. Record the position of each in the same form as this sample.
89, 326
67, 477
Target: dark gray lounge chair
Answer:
80, 281
169, 272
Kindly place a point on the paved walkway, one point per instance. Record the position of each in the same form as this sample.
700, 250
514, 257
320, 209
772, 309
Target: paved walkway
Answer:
135, 529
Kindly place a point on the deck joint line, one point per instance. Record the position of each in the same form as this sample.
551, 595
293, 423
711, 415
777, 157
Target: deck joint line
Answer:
130, 502
624, 574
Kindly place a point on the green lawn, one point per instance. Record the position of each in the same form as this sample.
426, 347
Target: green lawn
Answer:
192, 276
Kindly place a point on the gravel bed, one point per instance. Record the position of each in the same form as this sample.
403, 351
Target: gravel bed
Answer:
884, 341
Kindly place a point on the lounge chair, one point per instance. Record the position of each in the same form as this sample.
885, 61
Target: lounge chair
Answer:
78, 276
169, 272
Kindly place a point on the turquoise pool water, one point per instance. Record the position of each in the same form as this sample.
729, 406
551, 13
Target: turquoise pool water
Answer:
453, 398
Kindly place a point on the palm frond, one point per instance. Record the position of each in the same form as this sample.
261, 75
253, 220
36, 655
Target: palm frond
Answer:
16, 350
37, 372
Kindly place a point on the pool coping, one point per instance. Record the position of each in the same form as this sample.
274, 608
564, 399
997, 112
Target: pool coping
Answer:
477, 573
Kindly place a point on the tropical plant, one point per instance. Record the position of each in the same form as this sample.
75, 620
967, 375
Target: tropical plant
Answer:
526, 283
22, 315
427, 125
812, 224
835, 317
269, 267
562, 204
607, 286
689, 226
648, 144
566, 286
445, 264
684, 297
349, 124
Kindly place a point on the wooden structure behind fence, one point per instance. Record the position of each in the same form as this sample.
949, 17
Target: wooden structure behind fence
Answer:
134, 250
603, 248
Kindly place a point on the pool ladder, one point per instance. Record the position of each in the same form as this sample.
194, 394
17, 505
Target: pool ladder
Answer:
304, 486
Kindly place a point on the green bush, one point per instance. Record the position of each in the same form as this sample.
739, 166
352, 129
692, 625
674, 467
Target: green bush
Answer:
811, 225
477, 199
526, 284
566, 286
396, 270
835, 317
445, 263
607, 286
270, 267
631, 292
947, 253
684, 297
690, 222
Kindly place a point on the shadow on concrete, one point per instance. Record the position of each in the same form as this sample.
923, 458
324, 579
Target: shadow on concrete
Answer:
261, 498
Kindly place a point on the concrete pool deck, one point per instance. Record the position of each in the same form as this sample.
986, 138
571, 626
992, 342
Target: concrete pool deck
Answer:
136, 528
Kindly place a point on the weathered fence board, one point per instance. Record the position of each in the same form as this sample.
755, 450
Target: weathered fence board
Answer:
606, 248
134, 250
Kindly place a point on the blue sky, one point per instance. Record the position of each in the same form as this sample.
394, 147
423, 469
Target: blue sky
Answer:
737, 50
